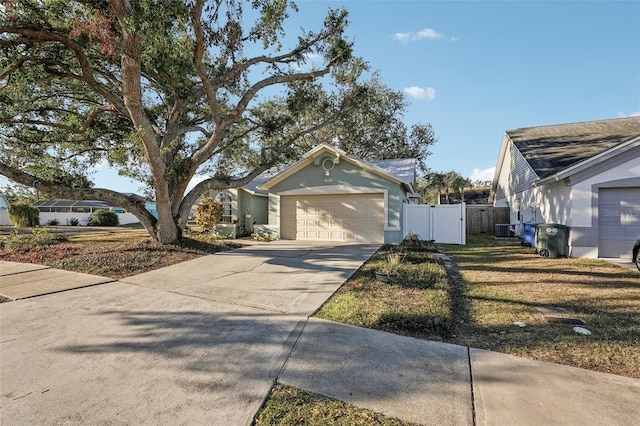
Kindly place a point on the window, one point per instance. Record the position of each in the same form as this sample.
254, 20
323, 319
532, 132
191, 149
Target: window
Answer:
225, 199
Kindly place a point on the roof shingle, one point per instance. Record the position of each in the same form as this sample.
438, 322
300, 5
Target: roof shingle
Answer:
551, 149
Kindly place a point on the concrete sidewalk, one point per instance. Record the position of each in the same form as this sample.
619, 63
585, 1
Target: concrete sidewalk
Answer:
202, 342
25, 280
437, 383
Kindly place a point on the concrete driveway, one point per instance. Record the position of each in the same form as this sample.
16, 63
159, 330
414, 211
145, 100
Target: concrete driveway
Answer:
283, 276
196, 343
202, 342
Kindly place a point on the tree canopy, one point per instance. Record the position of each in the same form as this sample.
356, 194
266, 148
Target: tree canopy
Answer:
165, 89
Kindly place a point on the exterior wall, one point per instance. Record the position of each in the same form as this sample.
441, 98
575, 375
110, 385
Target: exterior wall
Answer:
83, 218
4, 218
252, 209
515, 191
247, 209
617, 173
515, 175
572, 201
235, 202
345, 177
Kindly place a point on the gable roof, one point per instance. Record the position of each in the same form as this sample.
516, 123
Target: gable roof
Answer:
394, 170
551, 149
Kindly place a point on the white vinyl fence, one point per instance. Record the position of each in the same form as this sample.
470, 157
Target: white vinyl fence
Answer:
442, 223
83, 218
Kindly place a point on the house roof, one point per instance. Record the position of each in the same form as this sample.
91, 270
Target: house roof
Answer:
403, 169
396, 170
551, 149
56, 202
263, 177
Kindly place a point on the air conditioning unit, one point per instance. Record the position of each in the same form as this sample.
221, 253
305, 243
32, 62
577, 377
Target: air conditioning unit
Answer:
503, 230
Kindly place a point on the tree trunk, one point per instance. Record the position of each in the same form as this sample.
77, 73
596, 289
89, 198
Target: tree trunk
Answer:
167, 232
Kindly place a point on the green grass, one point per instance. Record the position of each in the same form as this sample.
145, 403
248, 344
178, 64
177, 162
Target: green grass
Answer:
292, 406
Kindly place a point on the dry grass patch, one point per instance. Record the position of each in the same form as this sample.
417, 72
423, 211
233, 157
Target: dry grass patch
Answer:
504, 283
291, 406
111, 254
417, 304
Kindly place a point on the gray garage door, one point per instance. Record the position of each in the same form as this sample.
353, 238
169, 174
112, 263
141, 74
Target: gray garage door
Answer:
618, 221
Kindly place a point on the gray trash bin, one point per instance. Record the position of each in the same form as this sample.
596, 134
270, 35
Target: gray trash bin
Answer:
552, 240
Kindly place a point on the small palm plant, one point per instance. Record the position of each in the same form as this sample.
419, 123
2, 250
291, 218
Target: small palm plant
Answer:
389, 272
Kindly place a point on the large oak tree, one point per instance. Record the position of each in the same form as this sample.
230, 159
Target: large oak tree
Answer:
167, 89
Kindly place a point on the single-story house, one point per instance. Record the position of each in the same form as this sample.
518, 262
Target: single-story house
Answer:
327, 195
582, 175
64, 212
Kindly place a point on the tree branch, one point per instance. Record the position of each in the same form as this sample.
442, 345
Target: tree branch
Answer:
112, 197
43, 36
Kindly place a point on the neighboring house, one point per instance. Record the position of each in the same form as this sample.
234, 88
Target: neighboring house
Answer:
583, 175
63, 211
331, 196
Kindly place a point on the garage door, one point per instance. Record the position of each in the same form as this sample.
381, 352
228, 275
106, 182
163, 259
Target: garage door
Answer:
618, 221
357, 218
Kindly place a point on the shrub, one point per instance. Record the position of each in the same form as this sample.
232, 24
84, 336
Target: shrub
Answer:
73, 222
38, 237
264, 235
208, 213
24, 214
53, 222
103, 217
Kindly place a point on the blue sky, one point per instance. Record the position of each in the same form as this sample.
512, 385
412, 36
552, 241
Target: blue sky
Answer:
474, 69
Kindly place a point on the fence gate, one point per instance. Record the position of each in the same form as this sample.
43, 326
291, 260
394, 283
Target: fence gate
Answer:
442, 223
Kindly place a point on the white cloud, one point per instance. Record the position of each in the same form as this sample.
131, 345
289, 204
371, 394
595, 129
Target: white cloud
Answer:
402, 36
425, 94
426, 33
482, 174
632, 114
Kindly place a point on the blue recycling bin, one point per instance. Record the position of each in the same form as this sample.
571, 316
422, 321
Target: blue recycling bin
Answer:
529, 235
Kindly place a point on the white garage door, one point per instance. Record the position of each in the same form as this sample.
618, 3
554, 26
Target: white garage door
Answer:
357, 218
618, 221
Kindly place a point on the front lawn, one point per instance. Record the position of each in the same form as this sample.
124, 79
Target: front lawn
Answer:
497, 304
417, 304
115, 254
506, 283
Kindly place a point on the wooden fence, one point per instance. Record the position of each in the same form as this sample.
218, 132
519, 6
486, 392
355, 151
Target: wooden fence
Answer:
482, 218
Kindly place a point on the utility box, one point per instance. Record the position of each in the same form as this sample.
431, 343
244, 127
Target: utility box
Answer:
503, 230
552, 240
529, 234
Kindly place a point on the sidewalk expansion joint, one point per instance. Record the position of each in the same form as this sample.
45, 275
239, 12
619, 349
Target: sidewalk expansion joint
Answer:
473, 399
26, 272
